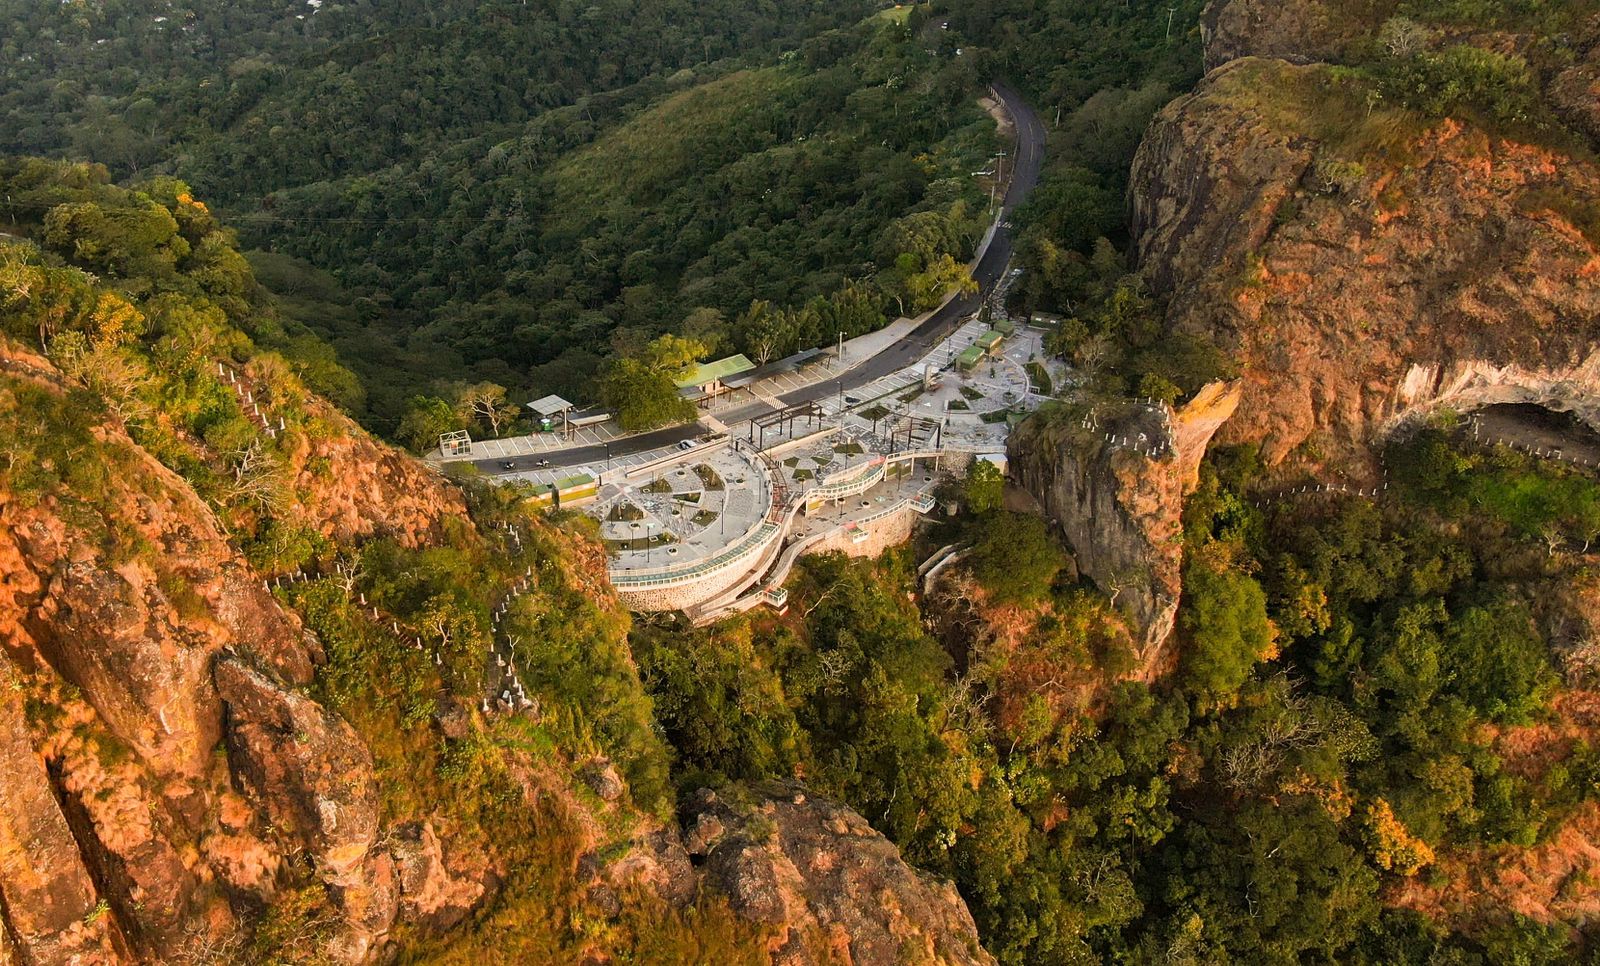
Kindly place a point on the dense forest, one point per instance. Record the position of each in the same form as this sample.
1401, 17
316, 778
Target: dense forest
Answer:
1359, 703
744, 167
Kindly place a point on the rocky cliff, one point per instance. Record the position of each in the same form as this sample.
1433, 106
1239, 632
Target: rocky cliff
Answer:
831, 887
1365, 265
1114, 478
243, 656
1303, 31
166, 769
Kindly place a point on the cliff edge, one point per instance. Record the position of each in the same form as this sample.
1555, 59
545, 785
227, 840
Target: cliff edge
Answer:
1113, 477
1365, 265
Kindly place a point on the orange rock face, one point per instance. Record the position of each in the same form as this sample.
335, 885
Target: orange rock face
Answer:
161, 762
1360, 285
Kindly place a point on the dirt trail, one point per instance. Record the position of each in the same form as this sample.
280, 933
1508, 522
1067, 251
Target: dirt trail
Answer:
1533, 427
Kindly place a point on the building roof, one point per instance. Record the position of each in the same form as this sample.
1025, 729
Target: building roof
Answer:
708, 372
577, 479
549, 405
1005, 326
969, 356
989, 340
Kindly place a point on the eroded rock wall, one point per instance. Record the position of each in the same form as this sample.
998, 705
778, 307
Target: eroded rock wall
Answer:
1356, 289
162, 765
1119, 503
832, 888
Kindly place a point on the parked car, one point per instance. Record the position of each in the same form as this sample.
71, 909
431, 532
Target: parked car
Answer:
508, 465
687, 444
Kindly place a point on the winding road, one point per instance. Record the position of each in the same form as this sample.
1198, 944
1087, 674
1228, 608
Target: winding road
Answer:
1028, 159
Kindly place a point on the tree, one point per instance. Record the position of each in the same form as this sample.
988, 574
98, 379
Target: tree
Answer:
1225, 616
984, 487
709, 327
672, 353
642, 389
1015, 558
643, 397
939, 278
425, 420
1154, 386
485, 402
1402, 36
761, 330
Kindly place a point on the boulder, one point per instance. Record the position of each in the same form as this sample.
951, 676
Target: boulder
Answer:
830, 888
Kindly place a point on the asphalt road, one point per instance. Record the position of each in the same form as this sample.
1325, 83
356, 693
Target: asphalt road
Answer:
1028, 158
1025, 176
591, 455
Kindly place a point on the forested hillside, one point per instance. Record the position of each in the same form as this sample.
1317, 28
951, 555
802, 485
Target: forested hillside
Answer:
468, 173
245, 645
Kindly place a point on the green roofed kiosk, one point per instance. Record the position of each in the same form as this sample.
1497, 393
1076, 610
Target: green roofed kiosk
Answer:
705, 380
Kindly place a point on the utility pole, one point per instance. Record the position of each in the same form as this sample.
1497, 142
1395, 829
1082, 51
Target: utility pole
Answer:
1170, 12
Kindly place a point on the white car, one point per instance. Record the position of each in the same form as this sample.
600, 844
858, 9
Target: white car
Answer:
687, 444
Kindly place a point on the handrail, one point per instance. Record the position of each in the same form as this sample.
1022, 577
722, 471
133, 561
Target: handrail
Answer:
694, 570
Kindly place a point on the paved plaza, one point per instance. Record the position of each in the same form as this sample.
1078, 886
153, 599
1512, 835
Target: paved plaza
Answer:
682, 513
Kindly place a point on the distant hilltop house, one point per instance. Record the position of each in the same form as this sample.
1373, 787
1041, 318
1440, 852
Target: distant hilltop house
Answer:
704, 381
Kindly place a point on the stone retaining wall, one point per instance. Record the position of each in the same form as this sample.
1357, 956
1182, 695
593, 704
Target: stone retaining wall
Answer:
889, 530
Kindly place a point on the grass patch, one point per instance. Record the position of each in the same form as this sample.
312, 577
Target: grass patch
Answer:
704, 518
687, 497
657, 486
849, 449
875, 412
1582, 213
640, 544
803, 475
625, 513
971, 394
708, 477
792, 462
912, 396
1041, 378
959, 405
897, 14
997, 416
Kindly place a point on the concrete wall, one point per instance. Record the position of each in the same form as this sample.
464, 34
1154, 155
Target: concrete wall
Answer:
889, 530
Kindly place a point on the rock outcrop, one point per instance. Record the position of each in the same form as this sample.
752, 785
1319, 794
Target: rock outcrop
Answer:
1301, 31
1575, 92
50, 898
832, 888
1364, 276
1114, 481
144, 644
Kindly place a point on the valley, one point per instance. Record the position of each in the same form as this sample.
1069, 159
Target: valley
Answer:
968, 482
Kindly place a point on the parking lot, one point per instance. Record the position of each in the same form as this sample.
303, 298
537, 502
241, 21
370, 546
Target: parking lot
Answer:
553, 473
535, 443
